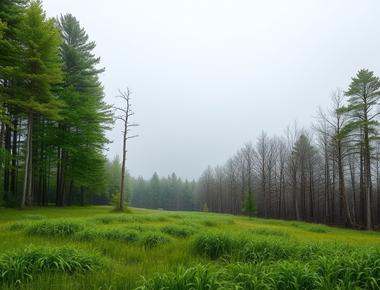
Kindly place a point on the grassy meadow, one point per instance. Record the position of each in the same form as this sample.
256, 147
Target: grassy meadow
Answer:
95, 248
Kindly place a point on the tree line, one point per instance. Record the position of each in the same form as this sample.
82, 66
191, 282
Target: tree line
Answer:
53, 116
168, 193
328, 173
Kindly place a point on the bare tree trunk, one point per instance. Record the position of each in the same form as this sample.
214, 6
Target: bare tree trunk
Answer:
353, 185
294, 187
368, 181
327, 183
362, 189
126, 114
342, 189
122, 185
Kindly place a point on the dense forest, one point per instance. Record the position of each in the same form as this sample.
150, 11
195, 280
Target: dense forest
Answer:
53, 118
168, 193
171, 193
329, 173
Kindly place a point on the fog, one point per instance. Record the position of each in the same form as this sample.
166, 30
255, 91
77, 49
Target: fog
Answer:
209, 75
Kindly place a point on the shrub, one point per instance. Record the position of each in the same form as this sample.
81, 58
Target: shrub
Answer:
153, 239
59, 228
21, 265
177, 231
215, 246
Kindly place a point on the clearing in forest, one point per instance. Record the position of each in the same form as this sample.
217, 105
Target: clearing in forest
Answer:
94, 248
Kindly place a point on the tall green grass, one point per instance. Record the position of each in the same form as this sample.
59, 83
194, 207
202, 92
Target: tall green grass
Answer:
153, 239
215, 245
127, 218
57, 228
256, 249
178, 250
22, 265
177, 231
354, 271
270, 232
33, 217
195, 278
121, 235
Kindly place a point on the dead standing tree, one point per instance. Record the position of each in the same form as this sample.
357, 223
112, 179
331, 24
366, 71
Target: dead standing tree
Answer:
124, 115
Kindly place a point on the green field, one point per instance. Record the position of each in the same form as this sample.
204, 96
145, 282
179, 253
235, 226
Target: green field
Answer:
94, 248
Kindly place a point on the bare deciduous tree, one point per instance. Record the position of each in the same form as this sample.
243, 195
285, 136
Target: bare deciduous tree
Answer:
125, 113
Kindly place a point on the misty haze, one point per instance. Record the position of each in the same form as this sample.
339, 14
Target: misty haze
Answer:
189, 144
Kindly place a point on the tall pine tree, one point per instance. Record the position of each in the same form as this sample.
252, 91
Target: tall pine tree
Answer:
40, 70
363, 96
81, 133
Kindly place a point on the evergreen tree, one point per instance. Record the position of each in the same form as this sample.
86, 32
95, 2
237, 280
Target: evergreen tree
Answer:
40, 69
153, 199
81, 132
11, 13
304, 153
249, 206
363, 96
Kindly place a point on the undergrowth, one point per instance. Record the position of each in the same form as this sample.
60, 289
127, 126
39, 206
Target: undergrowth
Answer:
180, 251
58, 228
22, 265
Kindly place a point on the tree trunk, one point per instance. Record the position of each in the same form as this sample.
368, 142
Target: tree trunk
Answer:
121, 200
362, 189
60, 191
7, 161
342, 189
82, 196
294, 187
28, 170
14, 170
368, 181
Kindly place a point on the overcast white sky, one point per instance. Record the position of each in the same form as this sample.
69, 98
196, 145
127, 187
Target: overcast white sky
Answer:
209, 75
